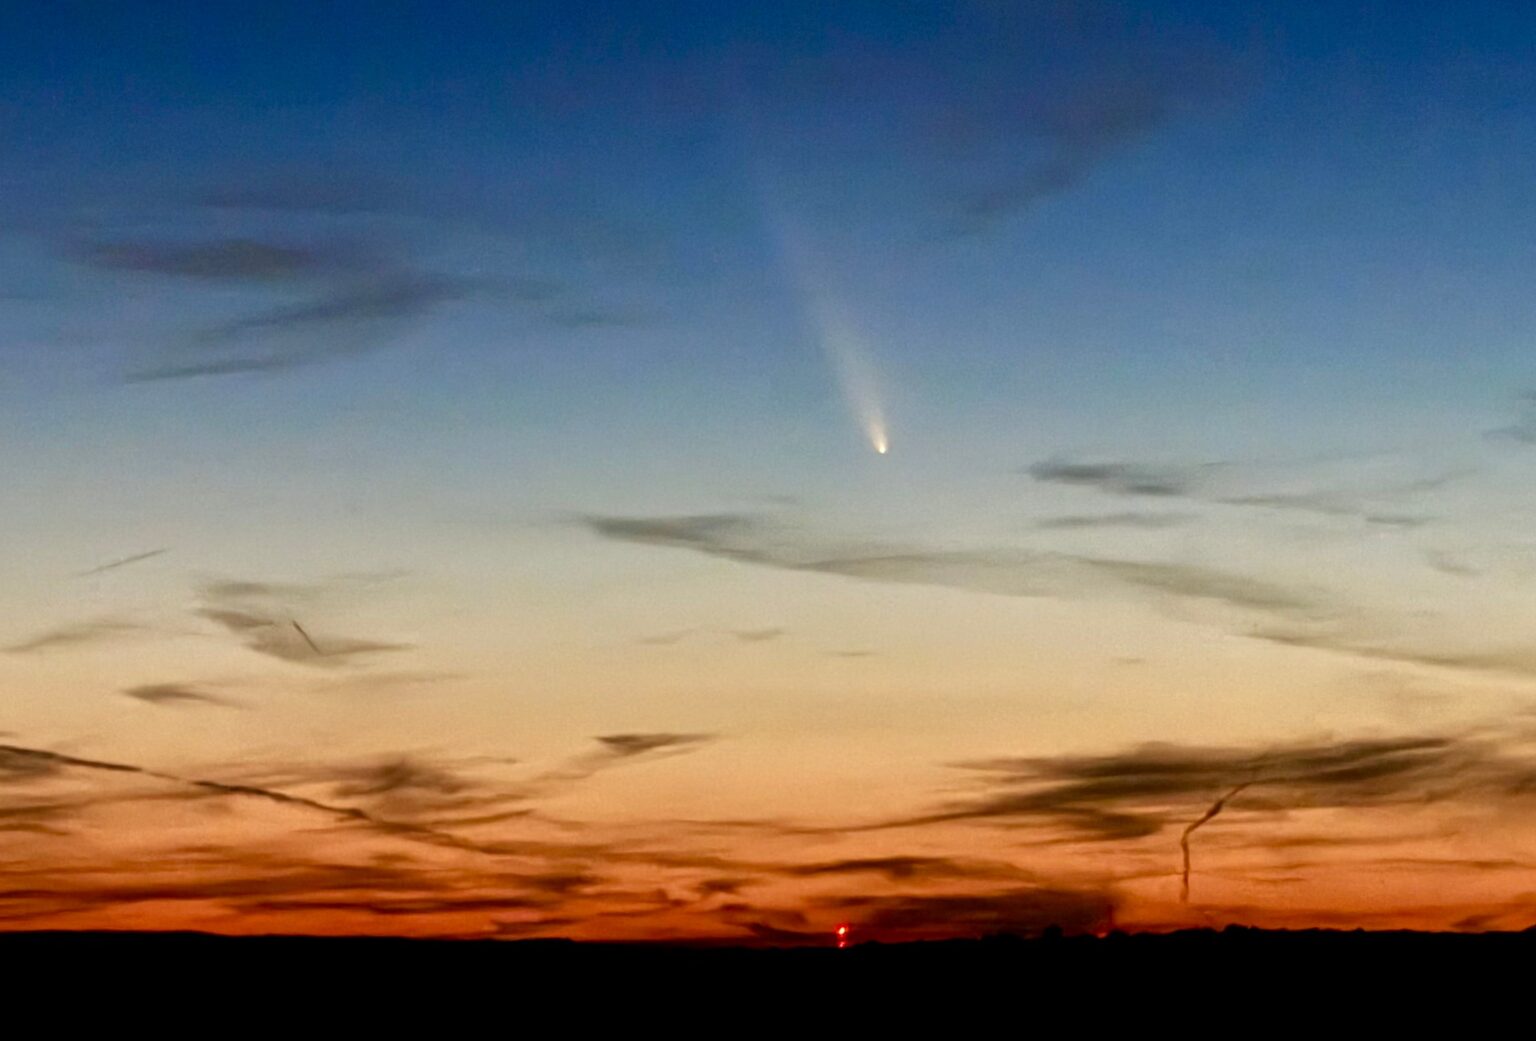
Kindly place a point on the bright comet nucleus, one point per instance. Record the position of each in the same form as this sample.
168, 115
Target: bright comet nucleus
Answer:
850, 357
841, 339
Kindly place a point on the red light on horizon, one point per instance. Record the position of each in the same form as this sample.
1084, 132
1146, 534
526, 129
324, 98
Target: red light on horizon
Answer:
842, 936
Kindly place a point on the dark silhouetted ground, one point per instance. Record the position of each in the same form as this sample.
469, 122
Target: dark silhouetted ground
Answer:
1235, 978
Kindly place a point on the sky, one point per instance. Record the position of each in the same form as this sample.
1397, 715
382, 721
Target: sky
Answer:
712, 472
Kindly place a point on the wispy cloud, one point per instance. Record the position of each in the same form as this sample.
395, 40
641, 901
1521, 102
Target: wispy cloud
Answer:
410, 787
45, 759
1012, 132
1290, 613
262, 616
905, 868
1449, 564
1120, 478
894, 896
754, 539
351, 318
241, 589
233, 260
1125, 519
251, 884
18, 760
33, 817
439, 804
388, 296
626, 745
1362, 496
1516, 659
1137, 793
1073, 132
166, 694
1333, 503
1198, 582
1523, 430
615, 750
282, 639
323, 281
79, 634
758, 635
19, 764
1140, 783
356, 298
666, 639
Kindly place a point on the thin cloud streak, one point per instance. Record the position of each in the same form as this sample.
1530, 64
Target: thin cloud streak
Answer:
1513, 660
233, 260
350, 319
164, 694
1093, 521
758, 635
1293, 615
77, 635
1119, 478
1137, 794
1223, 484
615, 750
1075, 130
20, 758
753, 539
123, 562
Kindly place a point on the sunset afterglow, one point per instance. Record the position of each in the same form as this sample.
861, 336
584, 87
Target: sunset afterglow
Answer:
773, 474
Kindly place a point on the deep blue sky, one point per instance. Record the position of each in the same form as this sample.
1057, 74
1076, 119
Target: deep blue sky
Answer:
1138, 214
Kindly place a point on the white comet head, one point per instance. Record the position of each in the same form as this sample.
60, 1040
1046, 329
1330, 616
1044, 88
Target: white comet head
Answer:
841, 340
850, 357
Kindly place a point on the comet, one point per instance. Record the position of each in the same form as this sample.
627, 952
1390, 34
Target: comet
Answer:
846, 348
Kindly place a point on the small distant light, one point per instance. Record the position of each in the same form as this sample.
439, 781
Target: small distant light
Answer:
842, 930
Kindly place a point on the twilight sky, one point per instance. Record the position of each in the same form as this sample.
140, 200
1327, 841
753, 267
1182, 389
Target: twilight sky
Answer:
627, 470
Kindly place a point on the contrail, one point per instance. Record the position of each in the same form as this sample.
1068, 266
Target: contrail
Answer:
1216, 807
300, 629
349, 814
124, 562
